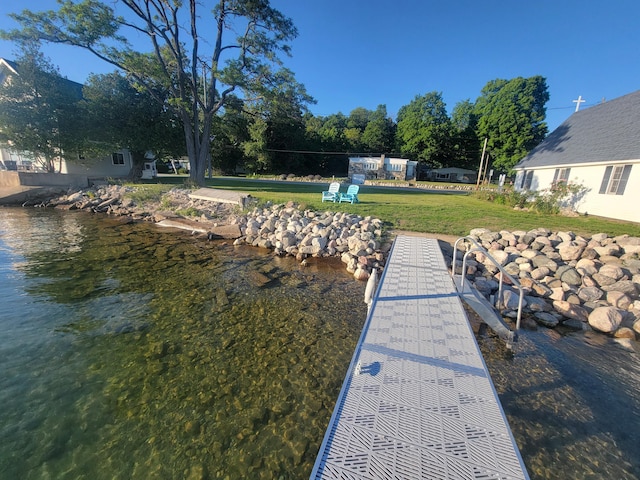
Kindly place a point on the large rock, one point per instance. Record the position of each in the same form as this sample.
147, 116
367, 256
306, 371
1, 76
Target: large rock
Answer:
619, 300
624, 286
546, 319
569, 275
629, 244
499, 256
609, 250
605, 319
612, 271
603, 280
540, 272
586, 266
537, 304
570, 310
544, 261
590, 294
570, 251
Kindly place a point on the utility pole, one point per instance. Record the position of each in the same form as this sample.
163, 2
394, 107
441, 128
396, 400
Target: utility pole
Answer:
484, 149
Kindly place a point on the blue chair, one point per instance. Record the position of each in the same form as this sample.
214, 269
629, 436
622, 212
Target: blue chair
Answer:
333, 193
351, 195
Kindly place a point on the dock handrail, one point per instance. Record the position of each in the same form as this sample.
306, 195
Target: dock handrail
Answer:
479, 248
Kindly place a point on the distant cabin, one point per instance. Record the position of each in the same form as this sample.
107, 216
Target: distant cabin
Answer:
382, 168
452, 174
598, 148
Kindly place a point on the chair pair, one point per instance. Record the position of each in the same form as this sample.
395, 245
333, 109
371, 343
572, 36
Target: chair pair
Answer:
333, 194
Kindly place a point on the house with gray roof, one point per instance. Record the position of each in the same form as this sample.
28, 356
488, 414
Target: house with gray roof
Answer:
598, 148
116, 165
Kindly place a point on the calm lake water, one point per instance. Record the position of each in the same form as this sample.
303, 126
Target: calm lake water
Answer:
128, 351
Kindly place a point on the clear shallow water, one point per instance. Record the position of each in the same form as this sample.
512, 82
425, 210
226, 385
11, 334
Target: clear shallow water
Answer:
127, 351
572, 401
133, 352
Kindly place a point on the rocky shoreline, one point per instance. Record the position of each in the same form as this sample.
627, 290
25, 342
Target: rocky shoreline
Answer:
282, 228
570, 281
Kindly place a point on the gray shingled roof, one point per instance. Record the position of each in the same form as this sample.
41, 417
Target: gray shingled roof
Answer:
606, 132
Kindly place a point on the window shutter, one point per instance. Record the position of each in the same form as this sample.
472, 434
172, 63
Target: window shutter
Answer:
623, 179
605, 180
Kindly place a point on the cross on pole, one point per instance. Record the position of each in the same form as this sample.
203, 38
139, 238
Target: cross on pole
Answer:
578, 102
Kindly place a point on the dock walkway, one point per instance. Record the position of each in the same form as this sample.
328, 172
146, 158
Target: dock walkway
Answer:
417, 401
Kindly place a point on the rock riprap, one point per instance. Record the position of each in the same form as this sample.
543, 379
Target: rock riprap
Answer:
582, 282
285, 229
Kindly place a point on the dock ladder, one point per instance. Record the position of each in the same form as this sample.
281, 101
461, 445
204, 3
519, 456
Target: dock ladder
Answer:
490, 313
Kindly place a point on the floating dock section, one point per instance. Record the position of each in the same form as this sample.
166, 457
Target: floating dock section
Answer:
418, 401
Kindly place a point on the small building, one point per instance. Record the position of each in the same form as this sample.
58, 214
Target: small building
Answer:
382, 168
452, 174
598, 148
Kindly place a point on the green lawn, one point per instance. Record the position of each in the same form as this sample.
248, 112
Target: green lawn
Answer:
420, 211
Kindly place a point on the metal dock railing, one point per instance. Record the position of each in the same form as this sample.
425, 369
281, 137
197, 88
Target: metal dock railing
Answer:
417, 401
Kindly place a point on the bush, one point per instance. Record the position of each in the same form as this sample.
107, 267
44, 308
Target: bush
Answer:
550, 201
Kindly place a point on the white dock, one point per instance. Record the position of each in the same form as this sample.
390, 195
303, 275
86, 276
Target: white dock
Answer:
417, 401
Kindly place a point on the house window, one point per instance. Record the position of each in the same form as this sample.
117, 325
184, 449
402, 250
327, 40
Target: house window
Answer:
394, 167
527, 177
117, 158
561, 175
369, 166
615, 179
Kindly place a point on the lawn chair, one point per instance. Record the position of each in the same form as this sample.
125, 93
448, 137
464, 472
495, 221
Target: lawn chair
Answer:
333, 193
351, 195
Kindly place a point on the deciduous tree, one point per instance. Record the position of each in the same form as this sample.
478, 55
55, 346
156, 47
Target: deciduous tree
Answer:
424, 130
465, 152
199, 72
511, 116
121, 116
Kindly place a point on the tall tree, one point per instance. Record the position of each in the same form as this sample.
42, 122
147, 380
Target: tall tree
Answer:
378, 135
39, 112
465, 151
199, 82
511, 116
424, 130
282, 106
121, 116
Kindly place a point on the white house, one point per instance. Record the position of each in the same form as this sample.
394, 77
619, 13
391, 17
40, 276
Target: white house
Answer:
116, 165
598, 148
383, 168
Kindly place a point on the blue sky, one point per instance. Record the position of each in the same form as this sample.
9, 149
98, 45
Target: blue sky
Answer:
363, 53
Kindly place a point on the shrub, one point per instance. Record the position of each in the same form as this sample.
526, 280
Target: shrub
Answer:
550, 201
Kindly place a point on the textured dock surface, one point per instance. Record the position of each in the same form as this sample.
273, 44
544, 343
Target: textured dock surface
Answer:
418, 401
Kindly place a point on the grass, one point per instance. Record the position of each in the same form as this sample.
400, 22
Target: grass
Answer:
418, 210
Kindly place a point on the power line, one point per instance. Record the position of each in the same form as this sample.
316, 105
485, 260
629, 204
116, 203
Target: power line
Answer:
326, 153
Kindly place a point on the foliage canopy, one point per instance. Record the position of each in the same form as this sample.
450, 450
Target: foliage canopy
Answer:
199, 74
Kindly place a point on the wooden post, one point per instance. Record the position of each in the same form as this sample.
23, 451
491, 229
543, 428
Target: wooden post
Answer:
484, 149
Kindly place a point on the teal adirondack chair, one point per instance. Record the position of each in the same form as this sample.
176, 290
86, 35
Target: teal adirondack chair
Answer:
333, 193
351, 195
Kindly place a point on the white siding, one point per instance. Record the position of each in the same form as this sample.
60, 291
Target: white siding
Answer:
101, 168
621, 207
